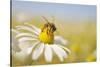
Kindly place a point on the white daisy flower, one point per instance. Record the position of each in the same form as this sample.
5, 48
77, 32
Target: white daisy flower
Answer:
36, 42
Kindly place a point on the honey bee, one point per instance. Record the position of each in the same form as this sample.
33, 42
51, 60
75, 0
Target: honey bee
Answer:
49, 27
47, 32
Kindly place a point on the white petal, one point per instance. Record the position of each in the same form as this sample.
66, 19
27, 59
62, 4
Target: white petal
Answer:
38, 51
15, 31
27, 28
34, 27
24, 53
60, 40
25, 34
23, 39
25, 45
63, 52
65, 48
29, 50
48, 53
58, 52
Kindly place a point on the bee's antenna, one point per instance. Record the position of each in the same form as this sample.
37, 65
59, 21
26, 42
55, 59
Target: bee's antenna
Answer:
45, 19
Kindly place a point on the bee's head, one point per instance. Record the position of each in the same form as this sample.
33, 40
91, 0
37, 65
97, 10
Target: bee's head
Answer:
49, 27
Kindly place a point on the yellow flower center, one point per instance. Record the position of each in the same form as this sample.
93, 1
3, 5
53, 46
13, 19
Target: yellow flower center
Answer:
47, 33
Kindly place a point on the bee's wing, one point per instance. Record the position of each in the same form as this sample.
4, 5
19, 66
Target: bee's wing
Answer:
45, 19
53, 19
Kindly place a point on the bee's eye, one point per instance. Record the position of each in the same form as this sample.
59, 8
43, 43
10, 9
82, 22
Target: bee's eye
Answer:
54, 28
